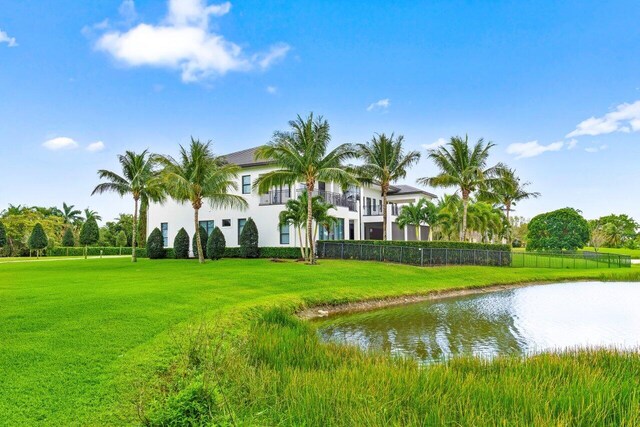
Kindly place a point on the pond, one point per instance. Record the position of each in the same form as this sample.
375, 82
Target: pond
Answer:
515, 322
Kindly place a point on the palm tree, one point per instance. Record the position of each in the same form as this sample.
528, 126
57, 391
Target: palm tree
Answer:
508, 190
199, 175
417, 214
449, 213
139, 179
69, 214
301, 156
91, 214
294, 215
463, 167
385, 162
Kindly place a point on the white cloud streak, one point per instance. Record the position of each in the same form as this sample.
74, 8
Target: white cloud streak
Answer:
532, 148
381, 104
183, 41
438, 143
596, 149
572, 144
95, 146
624, 118
60, 143
272, 90
10, 41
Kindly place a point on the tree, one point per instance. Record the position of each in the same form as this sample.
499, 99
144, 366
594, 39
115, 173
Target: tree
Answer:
70, 215
198, 176
3, 235
508, 190
385, 162
563, 229
38, 239
91, 214
155, 245
216, 244
181, 244
121, 239
301, 155
142, 221
89, 234
417, 214
249, 240
463, 167
294, 215
139, 179
618, 229
202, 244
68, 240
19, 225
598, 235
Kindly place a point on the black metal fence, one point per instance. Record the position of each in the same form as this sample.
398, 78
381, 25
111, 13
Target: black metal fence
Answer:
430, 257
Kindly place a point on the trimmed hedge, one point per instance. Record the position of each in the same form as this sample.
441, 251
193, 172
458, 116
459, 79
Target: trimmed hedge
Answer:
106, 251
266, 252
181, 244
216, 244
155, 245
249, 240
427, 244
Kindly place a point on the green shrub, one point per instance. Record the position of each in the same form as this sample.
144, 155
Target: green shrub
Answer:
121, 239
68, 240
249, 240
181, 244
155, 245
562, 229
266, 252
195, 405
102, 250
89, 233
3, 235
216, 244
517, 243
203, 241
38, 239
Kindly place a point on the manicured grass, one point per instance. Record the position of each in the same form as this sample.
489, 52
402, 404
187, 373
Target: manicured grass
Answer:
86, 342
633, 253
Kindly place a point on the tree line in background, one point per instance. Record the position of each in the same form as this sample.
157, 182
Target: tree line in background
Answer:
480, 208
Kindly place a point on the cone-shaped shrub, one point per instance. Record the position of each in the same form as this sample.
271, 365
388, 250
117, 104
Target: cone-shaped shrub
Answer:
216, 244
155, 245
68, 240
38, 239
249, 240
89, 233
181, 244
3, 235
203, 240
121, 239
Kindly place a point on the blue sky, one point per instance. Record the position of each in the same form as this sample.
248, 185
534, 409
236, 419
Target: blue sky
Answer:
556, 85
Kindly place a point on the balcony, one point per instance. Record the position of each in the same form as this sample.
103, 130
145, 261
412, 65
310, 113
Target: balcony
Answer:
347, 200
275, 197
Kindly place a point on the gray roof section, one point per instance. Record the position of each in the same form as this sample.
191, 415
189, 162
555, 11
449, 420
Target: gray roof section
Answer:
399, 189
245, 158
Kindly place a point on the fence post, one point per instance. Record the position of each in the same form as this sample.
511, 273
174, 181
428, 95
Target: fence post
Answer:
421, 257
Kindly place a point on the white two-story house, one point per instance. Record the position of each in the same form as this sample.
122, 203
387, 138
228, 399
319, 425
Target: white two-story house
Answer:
358, 210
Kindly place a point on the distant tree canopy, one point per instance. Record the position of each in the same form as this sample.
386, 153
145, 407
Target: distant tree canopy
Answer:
563, 229
3, 235
617, 230
121, 239
19, 222
68, 239
89, 233
38, 239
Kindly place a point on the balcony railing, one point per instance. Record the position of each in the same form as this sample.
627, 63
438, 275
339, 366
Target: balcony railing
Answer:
275, 197
349, 200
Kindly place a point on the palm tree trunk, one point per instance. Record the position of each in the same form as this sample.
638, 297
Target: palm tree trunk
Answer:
302, 248
135, 231
465, 206
198, 241
384, 213
142, 223
507, 208
310, 185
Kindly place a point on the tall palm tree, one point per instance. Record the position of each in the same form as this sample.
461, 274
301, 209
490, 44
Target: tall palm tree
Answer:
385, 162
198, 175
139, 179
69, 214
302, 155
91, 214
463, 167
417, 214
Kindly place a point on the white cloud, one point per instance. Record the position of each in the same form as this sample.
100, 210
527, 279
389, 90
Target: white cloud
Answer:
382, 104
272, 90
95, 146
128, 12
624, 118
60, 143
439, 143
596, 149
532, 148
183, 41
572, 144
10, 41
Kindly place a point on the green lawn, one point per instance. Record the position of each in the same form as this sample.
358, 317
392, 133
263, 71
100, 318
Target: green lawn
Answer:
94, 342
633, 253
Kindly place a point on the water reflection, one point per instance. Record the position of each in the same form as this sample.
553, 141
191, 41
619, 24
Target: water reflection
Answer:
514, 322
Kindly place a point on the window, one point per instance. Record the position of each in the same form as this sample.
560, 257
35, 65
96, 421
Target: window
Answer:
164, 227
226, 223
207, 225
241, 223
246, 184
334, 233
284, 234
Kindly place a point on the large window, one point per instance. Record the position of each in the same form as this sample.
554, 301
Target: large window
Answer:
164, 227
241, 223
284, 234
336, 232
207, 225
246, 184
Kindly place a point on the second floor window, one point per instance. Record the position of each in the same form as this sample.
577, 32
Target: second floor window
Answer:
246, 184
